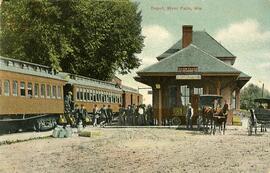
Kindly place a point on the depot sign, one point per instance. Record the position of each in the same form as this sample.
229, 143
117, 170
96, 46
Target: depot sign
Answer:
188, 77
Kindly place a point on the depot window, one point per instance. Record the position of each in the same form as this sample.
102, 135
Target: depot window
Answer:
42, 90
22, 88
36, 89
184, 94
29, 89
6, 88
15, 88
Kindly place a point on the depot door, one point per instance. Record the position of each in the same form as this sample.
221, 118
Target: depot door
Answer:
195, 103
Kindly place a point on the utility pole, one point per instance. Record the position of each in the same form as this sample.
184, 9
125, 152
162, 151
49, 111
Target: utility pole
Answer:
262, 89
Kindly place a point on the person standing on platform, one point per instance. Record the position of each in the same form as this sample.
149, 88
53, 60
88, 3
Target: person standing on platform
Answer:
103, 116
189, 116
110, 114
129, 115
122, 115
82, 115
95, 115
68, 103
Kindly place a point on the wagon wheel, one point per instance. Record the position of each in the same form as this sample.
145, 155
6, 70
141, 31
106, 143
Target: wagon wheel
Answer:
176, 121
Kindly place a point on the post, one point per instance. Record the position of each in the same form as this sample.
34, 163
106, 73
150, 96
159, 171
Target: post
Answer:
237, 98
262, 89
159, 107
218, 87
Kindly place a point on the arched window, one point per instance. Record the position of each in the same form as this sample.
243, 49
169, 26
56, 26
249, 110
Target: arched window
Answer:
15, 88
6, 88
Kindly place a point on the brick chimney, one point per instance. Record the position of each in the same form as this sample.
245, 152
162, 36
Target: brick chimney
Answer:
187, 35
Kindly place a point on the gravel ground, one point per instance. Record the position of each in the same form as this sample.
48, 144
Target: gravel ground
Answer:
141, 150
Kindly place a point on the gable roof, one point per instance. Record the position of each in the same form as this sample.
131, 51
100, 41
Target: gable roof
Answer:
190, 56
205, 42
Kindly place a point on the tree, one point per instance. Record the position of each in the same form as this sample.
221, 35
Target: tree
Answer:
249, 93
90, 38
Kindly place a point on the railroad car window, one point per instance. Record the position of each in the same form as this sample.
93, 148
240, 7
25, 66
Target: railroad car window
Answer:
6, 88
99, 96
113, 98
54, 91
15, 88
42, 90
85, 94
94, 95
91, 95
109, 98
81, 94
0, 87
97, 99
49, 90
78, 93
59, 92
36, 89
88, 95
117, 99
102, 97
22, 88
29, 89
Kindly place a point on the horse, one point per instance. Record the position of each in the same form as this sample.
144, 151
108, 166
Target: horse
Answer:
219, 119
213, 117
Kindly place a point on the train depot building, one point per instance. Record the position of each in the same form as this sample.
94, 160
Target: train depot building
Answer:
196, 64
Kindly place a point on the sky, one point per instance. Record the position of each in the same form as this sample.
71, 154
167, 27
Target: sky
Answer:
242, 27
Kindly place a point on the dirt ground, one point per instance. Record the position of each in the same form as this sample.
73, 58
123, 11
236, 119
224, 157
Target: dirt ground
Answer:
141, 150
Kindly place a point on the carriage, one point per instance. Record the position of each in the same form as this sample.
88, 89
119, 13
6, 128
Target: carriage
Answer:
260, 117
211, 114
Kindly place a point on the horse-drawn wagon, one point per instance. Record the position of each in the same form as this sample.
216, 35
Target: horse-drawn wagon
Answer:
260, 117
211, 114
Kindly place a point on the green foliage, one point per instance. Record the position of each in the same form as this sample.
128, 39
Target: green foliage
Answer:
90, 38
249, 93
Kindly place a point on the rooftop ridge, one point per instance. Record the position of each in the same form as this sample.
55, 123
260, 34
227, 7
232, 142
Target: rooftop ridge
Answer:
214, 57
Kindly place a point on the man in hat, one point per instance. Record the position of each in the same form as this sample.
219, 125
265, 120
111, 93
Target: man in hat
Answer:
189, 116
68, 102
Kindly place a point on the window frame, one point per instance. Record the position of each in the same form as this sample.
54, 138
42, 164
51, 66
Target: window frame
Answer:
29, 89
54, 92
24, 89
48, 91
43, 88
15, 89
36, 89
6, 87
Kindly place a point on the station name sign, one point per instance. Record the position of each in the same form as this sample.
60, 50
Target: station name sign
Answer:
187, 69
188, 77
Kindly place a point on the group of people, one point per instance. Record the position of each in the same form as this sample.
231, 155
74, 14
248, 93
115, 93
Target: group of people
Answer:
102, 116
136, 115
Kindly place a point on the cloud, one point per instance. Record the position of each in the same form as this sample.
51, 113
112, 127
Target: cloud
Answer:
249, 40
248, 30
157, 39
247, 34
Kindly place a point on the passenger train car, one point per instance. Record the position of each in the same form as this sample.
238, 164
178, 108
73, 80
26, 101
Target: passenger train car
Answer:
32, 95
